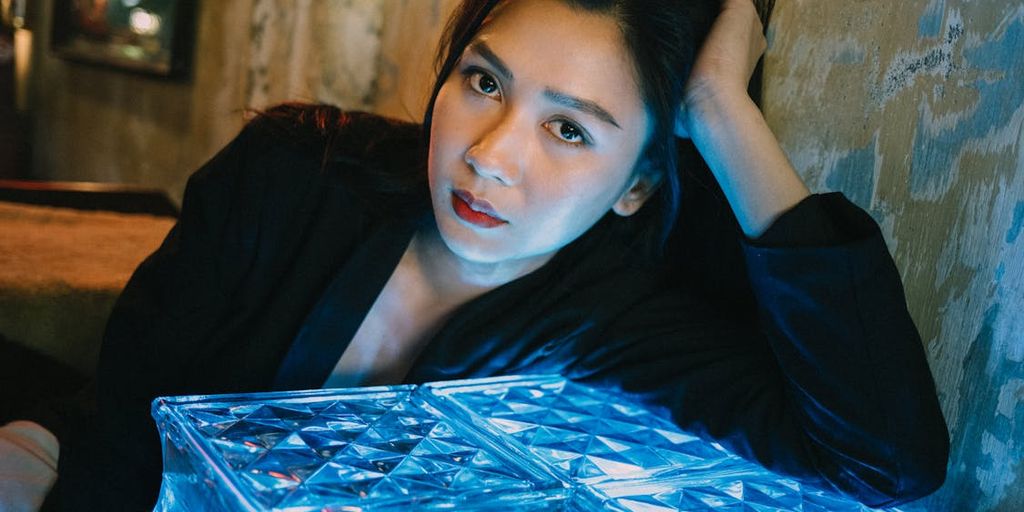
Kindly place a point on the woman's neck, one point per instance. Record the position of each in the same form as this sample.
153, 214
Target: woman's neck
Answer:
455, 278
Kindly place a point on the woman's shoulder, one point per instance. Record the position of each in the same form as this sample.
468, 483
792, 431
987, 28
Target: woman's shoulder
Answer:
334, 134
294, 149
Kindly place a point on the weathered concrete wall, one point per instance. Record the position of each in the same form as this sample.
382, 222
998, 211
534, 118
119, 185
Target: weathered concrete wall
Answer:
915, 109
313, 50
408, 45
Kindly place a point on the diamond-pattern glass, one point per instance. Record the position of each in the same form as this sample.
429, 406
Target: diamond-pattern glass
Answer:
375, 449
751, 490
506, 443
581, 434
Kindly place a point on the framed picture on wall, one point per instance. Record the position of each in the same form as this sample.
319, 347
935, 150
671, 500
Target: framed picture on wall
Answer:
143, 36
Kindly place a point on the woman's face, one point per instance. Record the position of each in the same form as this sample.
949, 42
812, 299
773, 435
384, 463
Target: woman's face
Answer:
536, 134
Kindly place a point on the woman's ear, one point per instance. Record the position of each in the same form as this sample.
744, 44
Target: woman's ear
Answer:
643, 186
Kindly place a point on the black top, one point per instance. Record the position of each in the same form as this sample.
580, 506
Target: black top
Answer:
795, 349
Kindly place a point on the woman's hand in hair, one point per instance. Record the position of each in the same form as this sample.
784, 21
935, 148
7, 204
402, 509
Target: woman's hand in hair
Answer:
727, 127
730, 53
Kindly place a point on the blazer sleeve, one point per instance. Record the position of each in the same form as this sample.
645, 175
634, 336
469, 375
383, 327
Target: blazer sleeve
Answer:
171, 299
829, 384
215, 306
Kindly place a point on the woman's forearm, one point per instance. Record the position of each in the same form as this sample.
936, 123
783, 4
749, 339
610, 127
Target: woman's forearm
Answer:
746, 159
727, 126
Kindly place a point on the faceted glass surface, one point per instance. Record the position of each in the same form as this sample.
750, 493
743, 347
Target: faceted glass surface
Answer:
583, 435
375, 449
504, 443
749, 490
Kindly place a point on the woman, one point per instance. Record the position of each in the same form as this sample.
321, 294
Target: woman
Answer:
317, 249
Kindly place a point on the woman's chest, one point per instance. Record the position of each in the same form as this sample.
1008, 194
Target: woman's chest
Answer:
396, 328
381, 351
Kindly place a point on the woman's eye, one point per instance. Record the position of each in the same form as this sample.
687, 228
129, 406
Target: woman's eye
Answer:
482, 82
567, 132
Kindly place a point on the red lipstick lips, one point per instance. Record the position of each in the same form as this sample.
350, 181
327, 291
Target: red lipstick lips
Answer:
475, 211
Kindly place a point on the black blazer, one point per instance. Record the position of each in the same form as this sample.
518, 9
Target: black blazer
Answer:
810, 364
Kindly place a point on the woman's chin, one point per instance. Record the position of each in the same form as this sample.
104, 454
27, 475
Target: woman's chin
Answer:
468, 246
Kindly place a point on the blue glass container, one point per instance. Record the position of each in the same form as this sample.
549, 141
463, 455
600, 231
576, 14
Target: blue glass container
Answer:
506, 443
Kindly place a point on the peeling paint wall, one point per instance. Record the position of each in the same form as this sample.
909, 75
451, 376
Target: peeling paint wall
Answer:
408, 44
914, 110
314, 50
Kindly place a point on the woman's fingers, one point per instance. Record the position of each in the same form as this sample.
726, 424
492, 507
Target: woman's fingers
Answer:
727, 59
733, 47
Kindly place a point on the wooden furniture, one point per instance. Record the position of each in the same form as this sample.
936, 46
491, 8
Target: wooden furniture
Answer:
113, 197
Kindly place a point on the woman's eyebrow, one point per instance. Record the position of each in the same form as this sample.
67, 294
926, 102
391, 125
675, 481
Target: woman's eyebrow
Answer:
582, 105
481, 49
561, 98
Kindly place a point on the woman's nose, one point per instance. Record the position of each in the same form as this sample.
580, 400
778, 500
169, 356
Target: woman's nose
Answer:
496, 154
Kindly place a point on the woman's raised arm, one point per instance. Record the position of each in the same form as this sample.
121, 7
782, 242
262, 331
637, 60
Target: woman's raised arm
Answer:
826, 379
729, 130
